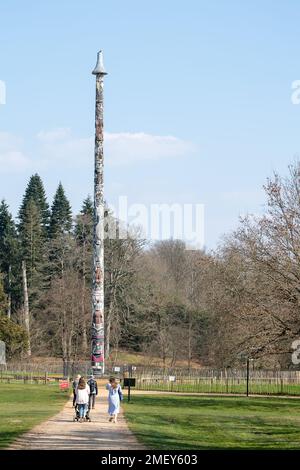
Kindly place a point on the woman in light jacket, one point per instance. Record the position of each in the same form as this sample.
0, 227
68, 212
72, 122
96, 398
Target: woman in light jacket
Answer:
74, 387
114, 397
82, 398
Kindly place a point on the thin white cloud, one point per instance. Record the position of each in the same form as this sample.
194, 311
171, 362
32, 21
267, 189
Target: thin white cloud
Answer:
11, 162
125, 148
63, 148
61, 133
54, 146
122, 148
12, 158
9, 141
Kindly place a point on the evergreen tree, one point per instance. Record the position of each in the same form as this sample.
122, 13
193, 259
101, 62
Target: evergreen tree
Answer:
84, 223
61, 214
3, 298
87, 207
9, 255
8, 238
35, 191
32, 240
33, 230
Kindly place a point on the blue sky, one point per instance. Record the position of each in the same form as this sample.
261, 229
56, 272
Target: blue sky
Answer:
197, 101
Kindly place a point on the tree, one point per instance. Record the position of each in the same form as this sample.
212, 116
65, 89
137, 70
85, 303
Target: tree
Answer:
61, 214
270, 246
171, 256
3, 298
119, 278
63, 330
9, 257
33, 232
84, 224
14, 336
84, 238
32, 242
253, 293
87, 207
26, 313
8, 238
174, 311
35, 192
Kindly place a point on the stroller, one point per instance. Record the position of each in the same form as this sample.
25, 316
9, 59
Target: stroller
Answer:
77, 417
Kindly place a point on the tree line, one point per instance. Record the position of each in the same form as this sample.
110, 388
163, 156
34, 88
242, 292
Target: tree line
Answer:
215, 307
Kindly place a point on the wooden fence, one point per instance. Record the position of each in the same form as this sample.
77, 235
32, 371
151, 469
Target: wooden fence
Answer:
26, 377
227, 381
266, 382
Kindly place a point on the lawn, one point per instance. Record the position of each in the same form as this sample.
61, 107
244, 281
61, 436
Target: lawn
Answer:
23, 406
262, 387
189, 422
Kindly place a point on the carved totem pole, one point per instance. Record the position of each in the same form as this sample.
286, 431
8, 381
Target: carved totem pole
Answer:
98, 257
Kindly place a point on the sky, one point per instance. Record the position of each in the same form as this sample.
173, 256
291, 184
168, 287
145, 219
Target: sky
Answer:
198, 106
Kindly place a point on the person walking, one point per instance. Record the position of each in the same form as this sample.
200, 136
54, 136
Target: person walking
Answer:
114, 397
82, 398
93, 391
74, 387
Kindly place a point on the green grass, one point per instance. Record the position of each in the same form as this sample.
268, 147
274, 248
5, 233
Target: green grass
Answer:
189, 422
265, 387
23, 406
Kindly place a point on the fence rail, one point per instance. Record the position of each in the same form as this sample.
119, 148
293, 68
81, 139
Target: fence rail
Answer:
266, 382
265, 386
26, 377
233, 381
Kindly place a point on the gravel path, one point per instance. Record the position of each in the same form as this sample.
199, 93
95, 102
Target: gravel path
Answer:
60, 432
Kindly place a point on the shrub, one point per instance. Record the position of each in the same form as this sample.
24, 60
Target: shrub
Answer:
14, 336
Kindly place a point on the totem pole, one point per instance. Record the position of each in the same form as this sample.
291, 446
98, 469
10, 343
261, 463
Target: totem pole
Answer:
98, 256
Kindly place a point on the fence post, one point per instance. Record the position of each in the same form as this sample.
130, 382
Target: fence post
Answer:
248, 369
46, 378
226, 378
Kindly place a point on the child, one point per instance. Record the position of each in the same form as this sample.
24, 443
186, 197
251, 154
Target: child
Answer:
93, 391
114, 398
82, 398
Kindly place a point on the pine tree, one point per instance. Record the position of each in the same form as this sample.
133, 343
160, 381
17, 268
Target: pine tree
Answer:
8, 238
9, 257
87, 207
32, 240
84, 222
3, 298
33, 230
61, 214
35, 191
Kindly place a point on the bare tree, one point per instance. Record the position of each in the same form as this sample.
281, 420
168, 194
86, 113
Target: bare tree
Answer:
26, 307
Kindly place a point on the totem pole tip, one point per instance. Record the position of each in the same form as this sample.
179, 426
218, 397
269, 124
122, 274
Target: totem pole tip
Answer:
99, 69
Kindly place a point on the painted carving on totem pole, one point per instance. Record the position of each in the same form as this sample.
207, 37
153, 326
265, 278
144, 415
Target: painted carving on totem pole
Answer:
98, 271
98, 275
